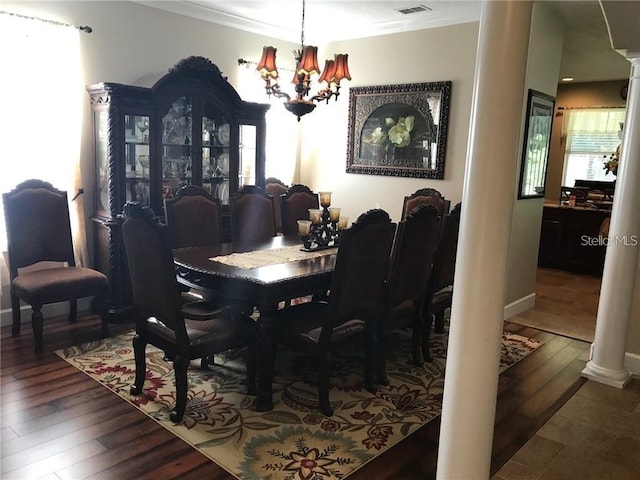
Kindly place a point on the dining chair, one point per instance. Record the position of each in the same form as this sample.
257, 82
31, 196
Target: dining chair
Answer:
429, 196
252, 216
409, 271
275, 187
295, 205
184, 331
193, 216
440, 287
357, 282
39, 230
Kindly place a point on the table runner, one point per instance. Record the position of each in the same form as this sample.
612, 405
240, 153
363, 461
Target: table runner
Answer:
263, 258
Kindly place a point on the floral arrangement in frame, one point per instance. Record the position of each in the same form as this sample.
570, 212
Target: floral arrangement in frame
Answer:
399, 130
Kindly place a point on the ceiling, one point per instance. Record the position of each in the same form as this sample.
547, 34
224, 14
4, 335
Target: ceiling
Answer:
587, 53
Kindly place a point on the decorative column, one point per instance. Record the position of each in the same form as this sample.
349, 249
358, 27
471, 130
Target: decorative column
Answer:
621, 260
477, 312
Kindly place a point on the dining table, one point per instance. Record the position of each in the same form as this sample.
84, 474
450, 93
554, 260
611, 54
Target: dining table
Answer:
264, 276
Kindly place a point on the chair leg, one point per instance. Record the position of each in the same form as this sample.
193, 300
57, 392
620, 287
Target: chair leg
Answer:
417, 338
371, 360
139, 347
100, 304
105, 325
73, 311
374, 355
426, 338
37, 324
180, 366
323, 383
15, 315
439, 322
206, 361
251, 362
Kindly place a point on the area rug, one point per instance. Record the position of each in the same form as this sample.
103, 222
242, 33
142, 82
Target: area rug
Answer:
293, 441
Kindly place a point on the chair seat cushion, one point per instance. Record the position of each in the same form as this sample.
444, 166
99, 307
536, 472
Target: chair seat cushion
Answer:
304, 321
401, 315
58, 284
225, 331
442, 295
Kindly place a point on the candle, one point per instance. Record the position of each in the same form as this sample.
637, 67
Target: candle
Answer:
315, 215
334, 214
304, 227
325, 199
342, 223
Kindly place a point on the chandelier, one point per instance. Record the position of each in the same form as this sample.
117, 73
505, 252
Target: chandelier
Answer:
306, 65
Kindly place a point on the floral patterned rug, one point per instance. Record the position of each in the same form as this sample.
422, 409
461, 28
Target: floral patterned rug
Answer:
293, 441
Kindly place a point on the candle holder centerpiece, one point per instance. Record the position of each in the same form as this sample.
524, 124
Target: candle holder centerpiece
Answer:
324, 227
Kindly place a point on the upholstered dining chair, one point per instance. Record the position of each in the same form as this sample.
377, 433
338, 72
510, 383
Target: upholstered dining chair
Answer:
409, 271
429, 196
38, 230
440, 287
185, 331
252, 216
295, 205
356, 288
193, 216
275, 187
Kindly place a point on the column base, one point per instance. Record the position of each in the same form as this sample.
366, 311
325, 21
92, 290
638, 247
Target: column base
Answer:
613, 378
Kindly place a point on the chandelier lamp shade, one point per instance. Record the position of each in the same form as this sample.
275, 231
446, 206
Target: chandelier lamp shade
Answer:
306, 59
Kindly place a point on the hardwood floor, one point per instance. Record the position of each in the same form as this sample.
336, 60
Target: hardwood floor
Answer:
57, 423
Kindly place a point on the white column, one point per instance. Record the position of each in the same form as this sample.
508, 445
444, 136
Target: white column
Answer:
621, 260
473, 355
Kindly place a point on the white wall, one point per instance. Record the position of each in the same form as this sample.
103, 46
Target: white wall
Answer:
439, 54
545, 51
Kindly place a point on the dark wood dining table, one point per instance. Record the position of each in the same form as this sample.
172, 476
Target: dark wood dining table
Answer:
263, 287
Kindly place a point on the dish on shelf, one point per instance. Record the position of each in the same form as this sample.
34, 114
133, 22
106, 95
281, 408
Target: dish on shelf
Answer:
223, 164
223, 191
104, 198
224, 133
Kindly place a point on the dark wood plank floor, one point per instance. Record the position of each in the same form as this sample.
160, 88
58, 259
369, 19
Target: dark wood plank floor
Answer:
57, 423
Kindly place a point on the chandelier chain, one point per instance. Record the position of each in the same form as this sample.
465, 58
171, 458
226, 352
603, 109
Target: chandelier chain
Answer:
302, 29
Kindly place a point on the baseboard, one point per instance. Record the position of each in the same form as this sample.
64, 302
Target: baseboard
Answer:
50, 310
632, 363
521, 305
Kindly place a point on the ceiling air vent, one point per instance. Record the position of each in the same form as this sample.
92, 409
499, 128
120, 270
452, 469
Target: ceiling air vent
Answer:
419, 8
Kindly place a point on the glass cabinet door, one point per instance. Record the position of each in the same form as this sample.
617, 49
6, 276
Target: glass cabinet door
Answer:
136, 158
102, 160
216, 133
177, 166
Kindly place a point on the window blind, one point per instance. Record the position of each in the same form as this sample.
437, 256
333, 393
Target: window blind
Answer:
594, 130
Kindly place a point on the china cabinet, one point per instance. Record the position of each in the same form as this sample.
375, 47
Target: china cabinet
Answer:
190, 127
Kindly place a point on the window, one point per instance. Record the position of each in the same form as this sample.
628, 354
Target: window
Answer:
41, 139
282, 127
592, 134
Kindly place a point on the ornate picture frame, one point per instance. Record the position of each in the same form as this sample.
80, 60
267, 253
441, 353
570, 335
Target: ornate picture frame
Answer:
399, 130
535, 150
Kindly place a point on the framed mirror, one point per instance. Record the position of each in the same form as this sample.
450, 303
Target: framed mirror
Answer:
399, 130
535, 151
